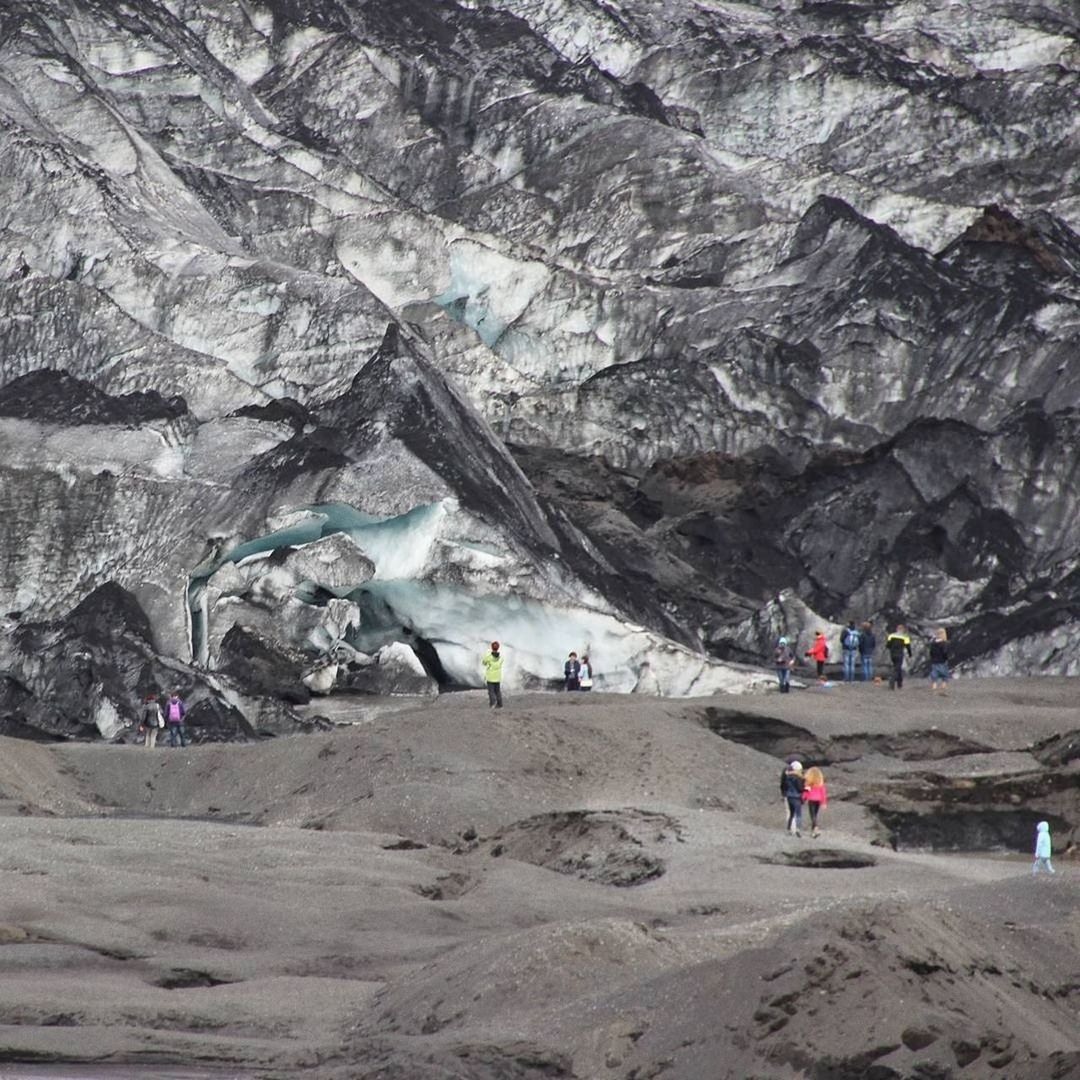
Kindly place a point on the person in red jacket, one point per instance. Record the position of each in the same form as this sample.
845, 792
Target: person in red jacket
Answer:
819, 652
815, 796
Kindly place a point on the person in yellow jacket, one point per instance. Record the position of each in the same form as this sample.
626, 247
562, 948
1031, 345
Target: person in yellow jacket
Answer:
493, 665
897, 644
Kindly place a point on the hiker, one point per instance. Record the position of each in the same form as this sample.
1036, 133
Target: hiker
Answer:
585, 679
784, 660
150, 721
493, 665
849, 649
791, 787
867, 645
897, 643
572, 672
815, 796
1042, 848
939, 661
819, 652
175, 711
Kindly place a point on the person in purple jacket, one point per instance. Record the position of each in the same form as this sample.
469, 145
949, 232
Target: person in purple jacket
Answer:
175, 711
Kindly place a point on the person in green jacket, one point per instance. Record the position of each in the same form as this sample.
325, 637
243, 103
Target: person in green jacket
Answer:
493, 664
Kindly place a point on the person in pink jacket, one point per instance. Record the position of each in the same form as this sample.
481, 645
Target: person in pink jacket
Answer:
815, 796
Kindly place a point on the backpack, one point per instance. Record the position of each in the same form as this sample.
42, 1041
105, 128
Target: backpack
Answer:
850, 640
174, 712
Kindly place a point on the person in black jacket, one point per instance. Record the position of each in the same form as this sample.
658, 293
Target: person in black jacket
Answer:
898, 643
939, 661
572, 672
791, 787
867, 645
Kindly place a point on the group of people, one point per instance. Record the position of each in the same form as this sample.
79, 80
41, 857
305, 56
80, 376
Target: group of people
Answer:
857, 648
577, 674
806, 789
154, 717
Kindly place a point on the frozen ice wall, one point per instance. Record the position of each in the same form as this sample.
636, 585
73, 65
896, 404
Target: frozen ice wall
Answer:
438, 581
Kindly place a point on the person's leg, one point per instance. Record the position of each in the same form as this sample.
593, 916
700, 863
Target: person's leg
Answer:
792, 805
491, 695
815, 808
498, 695
900, 675
183, 734
820, 668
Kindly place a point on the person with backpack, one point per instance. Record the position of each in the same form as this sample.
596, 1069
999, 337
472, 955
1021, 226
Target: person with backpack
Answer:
849, 649
572, 672
493, 666
897, 644
175, 711
819, 652
784, 660
150, 721
867, 645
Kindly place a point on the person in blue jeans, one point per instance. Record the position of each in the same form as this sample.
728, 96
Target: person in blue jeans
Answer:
175, 711
867, 645
849, 649
784, 660
791, 788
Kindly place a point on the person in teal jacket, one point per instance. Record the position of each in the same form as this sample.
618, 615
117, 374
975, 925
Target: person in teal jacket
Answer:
493, 665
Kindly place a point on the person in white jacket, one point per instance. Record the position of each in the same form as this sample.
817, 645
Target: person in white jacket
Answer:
1042, 848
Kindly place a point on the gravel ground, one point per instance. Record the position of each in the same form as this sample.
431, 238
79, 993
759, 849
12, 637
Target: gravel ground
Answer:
577, 885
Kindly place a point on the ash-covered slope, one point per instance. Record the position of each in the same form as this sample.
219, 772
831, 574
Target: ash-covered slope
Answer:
768, 299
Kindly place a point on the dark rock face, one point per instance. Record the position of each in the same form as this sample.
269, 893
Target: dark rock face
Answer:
768, 304
262, 667
86, 676
60, 398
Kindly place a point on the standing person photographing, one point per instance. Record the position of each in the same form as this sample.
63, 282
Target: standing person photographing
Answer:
493, 667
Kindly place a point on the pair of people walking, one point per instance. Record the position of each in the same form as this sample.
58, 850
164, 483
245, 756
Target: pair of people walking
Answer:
153, 717
798, 790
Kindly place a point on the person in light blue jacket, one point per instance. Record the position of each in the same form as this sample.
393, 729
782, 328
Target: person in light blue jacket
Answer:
1042, 848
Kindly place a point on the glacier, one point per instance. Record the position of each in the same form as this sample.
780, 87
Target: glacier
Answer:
619, 319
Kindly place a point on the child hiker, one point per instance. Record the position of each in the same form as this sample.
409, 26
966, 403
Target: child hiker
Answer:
1042, 848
